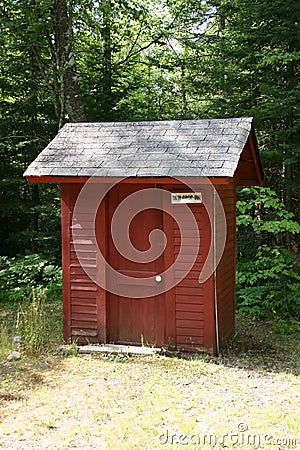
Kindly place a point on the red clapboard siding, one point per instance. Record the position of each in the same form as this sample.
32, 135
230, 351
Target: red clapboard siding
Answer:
89, 303
76, 269
190, 332
82, 290
190, 307
189, 300
84, 325
187, 343
83, 309
189, 323
188, 315
194, 291
83, 315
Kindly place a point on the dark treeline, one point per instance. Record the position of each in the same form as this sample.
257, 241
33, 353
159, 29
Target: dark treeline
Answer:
121, 60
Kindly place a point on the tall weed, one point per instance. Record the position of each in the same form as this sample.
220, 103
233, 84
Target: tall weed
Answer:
31, 323
5, 341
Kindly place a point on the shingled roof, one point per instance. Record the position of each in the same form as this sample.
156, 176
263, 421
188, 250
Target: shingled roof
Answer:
192, 148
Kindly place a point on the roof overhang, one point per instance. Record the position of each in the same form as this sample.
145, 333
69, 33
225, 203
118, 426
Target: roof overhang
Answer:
249, 171
131, 180
219, 150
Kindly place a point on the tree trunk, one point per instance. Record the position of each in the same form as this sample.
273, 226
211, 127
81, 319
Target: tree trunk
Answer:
107, 60
71, 104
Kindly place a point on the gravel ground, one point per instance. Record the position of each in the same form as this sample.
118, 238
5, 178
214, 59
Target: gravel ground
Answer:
247, 398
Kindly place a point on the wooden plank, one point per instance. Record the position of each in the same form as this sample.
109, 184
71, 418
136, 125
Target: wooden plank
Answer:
82, 248
189, 258
189, 307
191, 283
77, 272
81, 324
82, 233
191, 275
190, 341
80, 279
83, 316
189, 299
209, 331
226, 269
186, 266
88, 287
84, 253
189, 315
189, 324
226, 285
65, 233
113, 348
189, 291
193, 332
79, 332
125, 320
86, 295
190, 243
83, 309
177, 231
89, 265
160, 318
102, 295
88, 243
129, 180
254, 154
227, 311
78, 302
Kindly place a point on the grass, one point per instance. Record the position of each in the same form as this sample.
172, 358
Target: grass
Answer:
38, 318
246, 398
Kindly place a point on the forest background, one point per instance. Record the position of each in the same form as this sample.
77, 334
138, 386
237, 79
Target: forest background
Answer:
121, 60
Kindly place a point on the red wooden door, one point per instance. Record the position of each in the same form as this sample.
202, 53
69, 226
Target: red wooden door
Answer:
137, 315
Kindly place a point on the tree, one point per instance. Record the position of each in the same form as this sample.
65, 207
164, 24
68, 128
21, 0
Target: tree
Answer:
260, 44
70, 102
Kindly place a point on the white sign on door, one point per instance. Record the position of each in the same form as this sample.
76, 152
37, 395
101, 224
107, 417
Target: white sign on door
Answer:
186, 197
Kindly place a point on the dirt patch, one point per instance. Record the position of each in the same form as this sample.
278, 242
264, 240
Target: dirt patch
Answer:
246, 398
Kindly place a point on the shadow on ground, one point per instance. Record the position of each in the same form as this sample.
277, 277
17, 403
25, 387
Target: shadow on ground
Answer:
256, 347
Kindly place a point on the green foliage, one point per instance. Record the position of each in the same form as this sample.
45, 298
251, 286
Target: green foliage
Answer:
153, 60
19, 275
268, 285
268, 274
262, 219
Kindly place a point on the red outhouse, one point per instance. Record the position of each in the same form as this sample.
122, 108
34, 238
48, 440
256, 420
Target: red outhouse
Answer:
148, 228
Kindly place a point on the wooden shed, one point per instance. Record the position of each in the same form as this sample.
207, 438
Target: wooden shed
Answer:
148, 228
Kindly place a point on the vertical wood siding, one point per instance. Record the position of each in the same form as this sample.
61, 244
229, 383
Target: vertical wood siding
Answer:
225, 276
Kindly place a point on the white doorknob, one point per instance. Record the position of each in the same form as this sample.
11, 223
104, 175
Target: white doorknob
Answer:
158, 278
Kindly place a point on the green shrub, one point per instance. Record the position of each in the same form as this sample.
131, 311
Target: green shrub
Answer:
268, 274
30, 292
269, 284
19, 274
